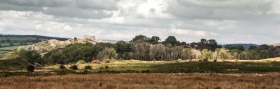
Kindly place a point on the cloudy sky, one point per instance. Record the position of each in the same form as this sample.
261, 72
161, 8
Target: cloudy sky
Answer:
227, 21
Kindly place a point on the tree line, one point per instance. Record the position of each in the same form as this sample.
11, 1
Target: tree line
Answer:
152, 48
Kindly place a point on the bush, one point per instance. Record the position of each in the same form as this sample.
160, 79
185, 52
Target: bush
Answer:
88, 67
95, 61
106, 67
74, 67
215, 60
205, 60
107, 61
179, 60
30, 68
81, 62
62, 67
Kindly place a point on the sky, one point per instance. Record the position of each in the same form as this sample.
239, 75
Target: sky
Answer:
226, 21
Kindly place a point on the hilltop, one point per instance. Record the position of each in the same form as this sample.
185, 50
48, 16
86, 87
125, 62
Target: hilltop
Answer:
9, 43
275, 44
246, 46
48, 45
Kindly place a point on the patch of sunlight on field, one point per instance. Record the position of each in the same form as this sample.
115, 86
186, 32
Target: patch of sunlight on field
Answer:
272, 59
9, 48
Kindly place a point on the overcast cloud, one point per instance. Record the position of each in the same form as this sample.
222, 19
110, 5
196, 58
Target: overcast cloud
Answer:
227, 21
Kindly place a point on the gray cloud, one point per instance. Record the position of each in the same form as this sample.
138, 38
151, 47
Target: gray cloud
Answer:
227, 21
63, 8
97, 4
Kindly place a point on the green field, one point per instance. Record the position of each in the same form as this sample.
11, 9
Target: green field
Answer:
123, 66
11, 42
8, 49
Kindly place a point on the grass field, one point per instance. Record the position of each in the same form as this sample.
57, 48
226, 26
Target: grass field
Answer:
144, 81
11, 48
17, 38
135, 66
8, 49
21, 40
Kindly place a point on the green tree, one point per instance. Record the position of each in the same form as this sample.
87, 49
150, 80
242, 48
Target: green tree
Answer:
235, 52
171, 39
203, 41
207, 54
212, 43
155, 39
187, 53
29, 55
109, 53
224, 54
263, 54
176, 52
253, 47
240, 47
140, 38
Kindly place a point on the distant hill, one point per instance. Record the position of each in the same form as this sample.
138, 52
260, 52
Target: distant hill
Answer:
276, 44
106, 40
39, 37
11, 42
246, 46
48, 45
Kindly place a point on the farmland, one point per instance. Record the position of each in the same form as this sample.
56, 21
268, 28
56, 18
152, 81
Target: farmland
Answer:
9, 43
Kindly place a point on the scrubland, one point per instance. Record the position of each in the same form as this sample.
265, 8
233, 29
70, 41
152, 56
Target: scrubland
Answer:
144, 81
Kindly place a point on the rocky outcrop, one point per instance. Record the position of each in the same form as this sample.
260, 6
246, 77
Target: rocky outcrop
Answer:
48, 45
92, 38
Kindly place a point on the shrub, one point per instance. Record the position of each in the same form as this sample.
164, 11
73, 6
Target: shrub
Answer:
106, 67
178, 60
215, 60
88, 67
81, 62
30, 68
95, 61
62, 67
107, 61
205, 60
74, 67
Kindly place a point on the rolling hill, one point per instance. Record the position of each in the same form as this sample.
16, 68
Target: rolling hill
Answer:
11, 42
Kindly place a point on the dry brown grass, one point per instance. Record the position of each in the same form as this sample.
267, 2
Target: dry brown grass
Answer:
144, 81
95, 62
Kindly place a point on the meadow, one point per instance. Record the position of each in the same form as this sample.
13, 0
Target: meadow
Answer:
144, 81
